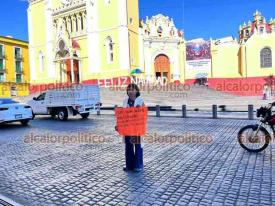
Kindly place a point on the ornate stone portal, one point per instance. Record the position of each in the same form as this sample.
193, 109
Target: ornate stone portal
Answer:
67, 27
162, 49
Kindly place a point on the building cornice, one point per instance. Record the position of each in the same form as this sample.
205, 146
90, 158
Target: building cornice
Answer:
168, 40
70, 7
13, 40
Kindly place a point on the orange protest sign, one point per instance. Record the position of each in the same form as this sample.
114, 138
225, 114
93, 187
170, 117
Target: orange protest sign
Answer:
132, 121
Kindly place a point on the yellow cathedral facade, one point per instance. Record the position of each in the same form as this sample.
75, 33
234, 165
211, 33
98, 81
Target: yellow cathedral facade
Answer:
79, 41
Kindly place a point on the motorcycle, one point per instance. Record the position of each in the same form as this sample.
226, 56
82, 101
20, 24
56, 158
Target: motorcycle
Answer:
256, 138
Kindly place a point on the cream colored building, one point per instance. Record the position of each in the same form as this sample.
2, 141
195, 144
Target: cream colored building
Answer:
162, 49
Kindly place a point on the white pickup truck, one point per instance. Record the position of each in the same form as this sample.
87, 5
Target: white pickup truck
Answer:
62, 102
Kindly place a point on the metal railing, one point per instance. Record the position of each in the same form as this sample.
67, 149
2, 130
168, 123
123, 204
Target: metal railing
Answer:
19, 71
18, 57
159, 111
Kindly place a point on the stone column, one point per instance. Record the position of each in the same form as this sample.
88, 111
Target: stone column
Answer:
72, 70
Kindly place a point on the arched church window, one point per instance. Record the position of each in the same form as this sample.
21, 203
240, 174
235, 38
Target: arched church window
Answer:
266, 58
41, 61
109, 49
160, 29
81, 22
65, 23
61, 45
55, 24
62, 49
261, 30
172, 32
76, 23
71, 24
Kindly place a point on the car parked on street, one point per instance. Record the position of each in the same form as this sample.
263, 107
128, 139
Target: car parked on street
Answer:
14, 111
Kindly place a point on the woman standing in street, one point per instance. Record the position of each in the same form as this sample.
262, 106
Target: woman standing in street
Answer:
133, 148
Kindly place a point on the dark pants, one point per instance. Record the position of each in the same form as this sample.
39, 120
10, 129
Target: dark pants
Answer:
133, 153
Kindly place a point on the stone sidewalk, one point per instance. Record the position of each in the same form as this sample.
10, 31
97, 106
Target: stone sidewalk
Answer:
199, 173
194, 97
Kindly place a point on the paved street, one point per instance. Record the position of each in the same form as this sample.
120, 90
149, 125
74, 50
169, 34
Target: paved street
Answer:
212, 169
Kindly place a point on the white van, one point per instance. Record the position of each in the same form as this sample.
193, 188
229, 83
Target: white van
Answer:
68, 101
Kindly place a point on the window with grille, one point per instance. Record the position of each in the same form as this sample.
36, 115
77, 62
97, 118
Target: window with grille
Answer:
266, 58
1, 51
41, 61
18, 67
109, 49
17, 53
1, 65
19, 78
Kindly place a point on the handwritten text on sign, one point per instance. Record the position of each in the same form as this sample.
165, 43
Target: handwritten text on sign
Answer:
132, 121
